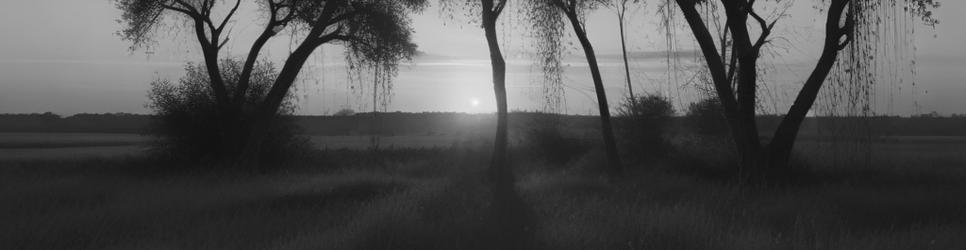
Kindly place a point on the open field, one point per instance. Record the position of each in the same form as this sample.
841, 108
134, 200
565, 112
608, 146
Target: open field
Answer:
896, 152
64, 140
406, 198
67, 153
24, 146
435, 199
382, 124
886, 150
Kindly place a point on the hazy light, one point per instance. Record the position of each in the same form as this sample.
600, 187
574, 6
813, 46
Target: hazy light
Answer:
475, 102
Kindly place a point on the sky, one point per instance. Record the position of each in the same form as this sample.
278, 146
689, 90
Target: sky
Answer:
63, 56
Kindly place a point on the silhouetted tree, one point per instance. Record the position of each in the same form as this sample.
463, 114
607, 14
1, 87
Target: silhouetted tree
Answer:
374, 31
735, 79
621, 7
490, 11
185, 119
546, 16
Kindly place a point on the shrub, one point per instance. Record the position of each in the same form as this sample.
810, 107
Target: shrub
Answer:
643, 123
345, 112
190, 126
706, 118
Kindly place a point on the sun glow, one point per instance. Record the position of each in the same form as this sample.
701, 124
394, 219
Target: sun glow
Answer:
475, 102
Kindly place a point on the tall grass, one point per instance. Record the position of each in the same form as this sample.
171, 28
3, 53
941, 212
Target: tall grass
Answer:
438, 199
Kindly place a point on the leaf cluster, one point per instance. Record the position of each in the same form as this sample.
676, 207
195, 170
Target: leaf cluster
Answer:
189, 123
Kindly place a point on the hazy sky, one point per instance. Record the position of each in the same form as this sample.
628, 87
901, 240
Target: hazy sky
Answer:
63, 56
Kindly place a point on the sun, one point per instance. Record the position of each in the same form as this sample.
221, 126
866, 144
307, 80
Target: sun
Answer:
475, 102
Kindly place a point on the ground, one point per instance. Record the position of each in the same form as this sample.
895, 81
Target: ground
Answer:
406, 198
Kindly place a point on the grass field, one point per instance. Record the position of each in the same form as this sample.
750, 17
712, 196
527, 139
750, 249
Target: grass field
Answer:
407, 198
21, 146
64, 140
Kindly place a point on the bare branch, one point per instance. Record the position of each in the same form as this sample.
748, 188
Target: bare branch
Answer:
188, 7
712, 57
181, 10
766, 28
228, 17
499, 7
222, 44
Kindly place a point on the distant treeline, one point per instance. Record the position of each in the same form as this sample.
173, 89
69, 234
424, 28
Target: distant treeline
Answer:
79, 123
399, 123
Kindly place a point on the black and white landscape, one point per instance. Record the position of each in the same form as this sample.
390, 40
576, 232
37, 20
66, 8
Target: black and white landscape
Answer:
482, 124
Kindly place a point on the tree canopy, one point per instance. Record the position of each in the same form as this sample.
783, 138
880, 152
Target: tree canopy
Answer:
375, 33
732, 52
371, 30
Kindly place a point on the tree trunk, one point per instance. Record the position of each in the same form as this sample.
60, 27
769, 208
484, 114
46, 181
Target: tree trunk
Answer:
783, 141
607, 130
375, 128
758, 161
244, 81
747, 57
210, 53
499, 170
715, 65
627, 66
249, 158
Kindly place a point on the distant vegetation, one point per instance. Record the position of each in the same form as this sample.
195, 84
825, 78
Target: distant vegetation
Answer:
79, 123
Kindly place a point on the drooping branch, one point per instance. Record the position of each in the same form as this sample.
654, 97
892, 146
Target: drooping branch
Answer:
375, 33
547, 29
187, 7
178, 9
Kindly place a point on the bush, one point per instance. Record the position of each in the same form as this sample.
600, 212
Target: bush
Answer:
345, 112
706, 118
643, 123
191, 127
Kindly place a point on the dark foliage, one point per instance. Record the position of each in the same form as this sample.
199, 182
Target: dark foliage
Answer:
190, 126
706, 118
644, 124
345, 112
79, 123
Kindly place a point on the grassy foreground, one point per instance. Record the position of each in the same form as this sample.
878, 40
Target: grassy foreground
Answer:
437, 199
